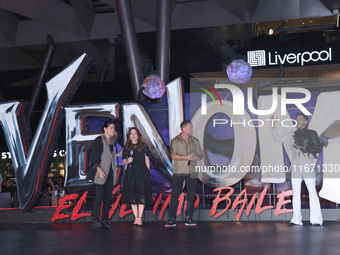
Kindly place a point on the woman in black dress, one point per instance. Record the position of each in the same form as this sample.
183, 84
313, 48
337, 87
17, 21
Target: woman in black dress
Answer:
137, 189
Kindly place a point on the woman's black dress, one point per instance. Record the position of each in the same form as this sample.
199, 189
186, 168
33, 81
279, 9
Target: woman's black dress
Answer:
137, 187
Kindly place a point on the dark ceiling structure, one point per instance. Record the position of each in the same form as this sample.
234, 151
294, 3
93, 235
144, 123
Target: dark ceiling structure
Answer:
24, 24
92, 26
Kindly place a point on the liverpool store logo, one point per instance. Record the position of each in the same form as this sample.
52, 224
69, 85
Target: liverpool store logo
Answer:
258, 57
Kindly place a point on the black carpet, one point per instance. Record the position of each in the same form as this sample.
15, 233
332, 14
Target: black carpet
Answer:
206, 238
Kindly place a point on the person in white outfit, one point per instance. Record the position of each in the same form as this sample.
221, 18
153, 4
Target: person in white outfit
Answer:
306, 147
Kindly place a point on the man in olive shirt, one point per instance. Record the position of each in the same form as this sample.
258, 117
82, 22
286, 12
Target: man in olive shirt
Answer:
185, 151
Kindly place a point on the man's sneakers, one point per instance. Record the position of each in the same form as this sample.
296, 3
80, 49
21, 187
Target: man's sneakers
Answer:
105, 224
96, 224
170, 223
189, 221
100, 224
316, 225
292, 224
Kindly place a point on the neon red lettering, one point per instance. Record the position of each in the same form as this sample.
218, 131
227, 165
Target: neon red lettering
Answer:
218, 199
165, 204
238, 201
75, 214
57, 215
282, 202
258, 208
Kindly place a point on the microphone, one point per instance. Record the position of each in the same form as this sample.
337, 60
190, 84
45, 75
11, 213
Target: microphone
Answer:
131, 154
189, 160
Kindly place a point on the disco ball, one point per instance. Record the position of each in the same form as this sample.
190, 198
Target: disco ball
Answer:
239, 71
154, 87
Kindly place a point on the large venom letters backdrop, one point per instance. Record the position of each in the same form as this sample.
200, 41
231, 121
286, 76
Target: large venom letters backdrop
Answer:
30, 161
237, 145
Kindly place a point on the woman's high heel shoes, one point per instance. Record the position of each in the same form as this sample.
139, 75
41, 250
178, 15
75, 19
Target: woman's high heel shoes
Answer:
135, 224
138, 225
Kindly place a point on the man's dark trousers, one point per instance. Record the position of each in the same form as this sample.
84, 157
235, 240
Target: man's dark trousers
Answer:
177, 184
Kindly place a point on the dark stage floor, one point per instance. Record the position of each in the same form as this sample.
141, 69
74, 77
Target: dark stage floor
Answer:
206, 238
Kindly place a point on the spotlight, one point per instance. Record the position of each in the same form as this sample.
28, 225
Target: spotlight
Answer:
271, 31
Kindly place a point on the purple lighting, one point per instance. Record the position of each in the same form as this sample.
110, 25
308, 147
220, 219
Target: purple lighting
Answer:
239, 71
154, 87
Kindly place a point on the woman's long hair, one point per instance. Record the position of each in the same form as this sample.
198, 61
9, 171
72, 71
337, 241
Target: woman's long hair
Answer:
128, 144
